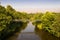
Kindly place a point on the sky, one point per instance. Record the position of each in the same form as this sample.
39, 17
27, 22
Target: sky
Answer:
32, 6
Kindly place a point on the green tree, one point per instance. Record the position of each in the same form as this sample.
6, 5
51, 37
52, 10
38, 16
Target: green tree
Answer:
50, 23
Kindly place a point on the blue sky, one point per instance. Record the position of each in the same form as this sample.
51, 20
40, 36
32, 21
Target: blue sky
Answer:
33, 5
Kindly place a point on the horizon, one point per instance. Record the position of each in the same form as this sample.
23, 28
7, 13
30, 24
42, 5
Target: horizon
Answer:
33, 6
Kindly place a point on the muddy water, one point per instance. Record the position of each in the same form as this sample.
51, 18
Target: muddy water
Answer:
30, 32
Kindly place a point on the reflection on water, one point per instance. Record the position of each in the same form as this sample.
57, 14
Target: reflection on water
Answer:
15, 36
29, 28
30, 32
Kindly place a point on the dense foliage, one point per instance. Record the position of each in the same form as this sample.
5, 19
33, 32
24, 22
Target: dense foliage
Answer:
4, 18
10, 18
50, 22
8, 23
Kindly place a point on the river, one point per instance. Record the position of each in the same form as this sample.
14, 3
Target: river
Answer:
30, 32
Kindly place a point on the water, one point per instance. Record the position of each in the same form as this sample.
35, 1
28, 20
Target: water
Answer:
30, 32
30, 28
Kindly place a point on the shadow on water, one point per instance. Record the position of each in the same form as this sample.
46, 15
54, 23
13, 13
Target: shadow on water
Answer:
17, 27
44, 35
26, 33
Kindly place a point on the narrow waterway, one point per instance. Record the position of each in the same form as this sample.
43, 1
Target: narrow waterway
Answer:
30, 32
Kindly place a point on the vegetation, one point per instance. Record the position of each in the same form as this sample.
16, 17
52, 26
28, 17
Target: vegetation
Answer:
9, 18
8, 23
50, 22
